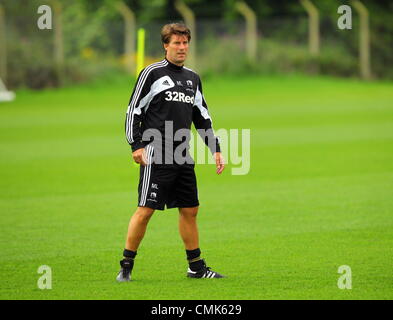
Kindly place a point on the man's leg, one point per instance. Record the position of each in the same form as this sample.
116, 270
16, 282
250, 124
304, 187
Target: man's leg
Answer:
137, 227
188, 230
188, 227
136, 231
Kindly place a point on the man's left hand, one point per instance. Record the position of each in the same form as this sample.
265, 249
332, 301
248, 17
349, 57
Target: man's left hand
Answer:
220, 165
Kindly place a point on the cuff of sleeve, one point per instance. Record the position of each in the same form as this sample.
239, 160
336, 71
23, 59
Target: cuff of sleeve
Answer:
137, 145
216, 148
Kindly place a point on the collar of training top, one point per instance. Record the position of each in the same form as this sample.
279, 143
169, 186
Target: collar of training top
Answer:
174, 66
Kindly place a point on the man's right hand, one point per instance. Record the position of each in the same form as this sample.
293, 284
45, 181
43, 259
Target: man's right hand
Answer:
139, 156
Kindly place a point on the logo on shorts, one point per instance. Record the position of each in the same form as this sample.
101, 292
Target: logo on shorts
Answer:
153, 196
154, 186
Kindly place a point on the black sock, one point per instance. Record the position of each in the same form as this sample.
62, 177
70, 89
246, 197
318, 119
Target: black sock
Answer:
129, 254
194, 259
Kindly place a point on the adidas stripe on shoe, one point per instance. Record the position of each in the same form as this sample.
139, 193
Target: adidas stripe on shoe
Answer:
205, 272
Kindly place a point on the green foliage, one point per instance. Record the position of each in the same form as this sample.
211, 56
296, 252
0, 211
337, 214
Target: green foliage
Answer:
93, 39
85, 28
227, 56
218, 57
30, 62
337, 62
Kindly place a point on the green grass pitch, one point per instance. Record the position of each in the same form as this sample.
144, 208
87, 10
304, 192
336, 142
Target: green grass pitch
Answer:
319, 194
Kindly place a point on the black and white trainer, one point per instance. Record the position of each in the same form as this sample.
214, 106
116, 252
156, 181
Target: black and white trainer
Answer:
205, 272
124, 274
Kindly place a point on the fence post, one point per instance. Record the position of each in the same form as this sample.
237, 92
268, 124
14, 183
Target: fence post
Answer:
129, 34
313, 26
251, 29
364, 40
189, 19
3, 46
58, 39
141, 51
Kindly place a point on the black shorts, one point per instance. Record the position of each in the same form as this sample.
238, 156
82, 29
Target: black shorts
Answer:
172, 185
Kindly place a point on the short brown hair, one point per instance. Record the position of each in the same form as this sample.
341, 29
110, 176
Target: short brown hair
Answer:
177, 28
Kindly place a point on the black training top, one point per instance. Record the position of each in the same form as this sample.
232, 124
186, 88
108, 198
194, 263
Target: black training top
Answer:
167, 92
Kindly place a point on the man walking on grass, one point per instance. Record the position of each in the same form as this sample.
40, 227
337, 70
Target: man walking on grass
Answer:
166, 99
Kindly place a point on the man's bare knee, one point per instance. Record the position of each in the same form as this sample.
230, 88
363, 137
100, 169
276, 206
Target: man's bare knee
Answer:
189, 212
143, 214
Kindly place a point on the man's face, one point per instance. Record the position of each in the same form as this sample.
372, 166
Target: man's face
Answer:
177, 49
